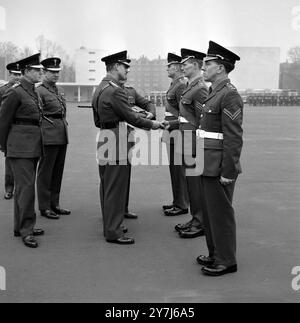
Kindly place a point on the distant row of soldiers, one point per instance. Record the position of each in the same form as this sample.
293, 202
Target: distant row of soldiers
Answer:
262, 100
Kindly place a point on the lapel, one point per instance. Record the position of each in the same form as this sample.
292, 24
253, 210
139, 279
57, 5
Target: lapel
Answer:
190, 86
174, 83
218, 88
54, 91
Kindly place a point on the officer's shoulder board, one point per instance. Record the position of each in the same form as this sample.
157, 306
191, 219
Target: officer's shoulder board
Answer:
129, 87
201, 83
16, 85
231, 87
183, 80
113, 84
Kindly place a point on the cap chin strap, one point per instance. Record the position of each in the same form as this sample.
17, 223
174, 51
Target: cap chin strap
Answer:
187, 58
35, 66
53, 69
174, 62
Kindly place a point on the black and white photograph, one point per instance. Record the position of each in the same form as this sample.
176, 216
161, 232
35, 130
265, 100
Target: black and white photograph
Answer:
149, 154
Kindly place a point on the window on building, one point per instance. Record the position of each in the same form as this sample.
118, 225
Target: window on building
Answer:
92, 70
92, 79
92, 62
92, 53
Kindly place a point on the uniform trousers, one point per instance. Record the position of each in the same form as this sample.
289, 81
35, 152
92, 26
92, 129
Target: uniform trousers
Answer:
178, 179
218, 219
50, 175
9, 177
113, 197
24, 171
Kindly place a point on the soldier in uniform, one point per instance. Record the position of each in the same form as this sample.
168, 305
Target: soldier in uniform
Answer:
192, 97
51, 165
180, 202
147, 110
21, 140
14, 74
112, 112
221, 128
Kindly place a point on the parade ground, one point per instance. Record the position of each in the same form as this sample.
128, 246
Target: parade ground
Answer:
75, 264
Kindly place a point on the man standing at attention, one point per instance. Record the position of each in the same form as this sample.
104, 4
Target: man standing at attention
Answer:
21, 139
180, 202
221, 127
55, 135
14, 74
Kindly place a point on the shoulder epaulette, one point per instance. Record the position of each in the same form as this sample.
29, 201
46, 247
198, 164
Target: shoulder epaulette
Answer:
231, 86
16, 85
105, 87
129, 87
113, 84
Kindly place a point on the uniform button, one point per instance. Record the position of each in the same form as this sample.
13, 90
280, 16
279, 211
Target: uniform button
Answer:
209, 111
201, 116
203, 105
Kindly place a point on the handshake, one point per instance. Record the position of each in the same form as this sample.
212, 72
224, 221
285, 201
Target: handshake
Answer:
165, 125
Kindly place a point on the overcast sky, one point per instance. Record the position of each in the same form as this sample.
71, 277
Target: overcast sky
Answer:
152, 27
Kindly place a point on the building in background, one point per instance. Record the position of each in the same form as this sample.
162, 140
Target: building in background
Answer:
148, 76
88, 66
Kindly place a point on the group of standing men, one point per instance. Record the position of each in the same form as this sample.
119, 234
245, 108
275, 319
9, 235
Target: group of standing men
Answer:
212, 116
34, 138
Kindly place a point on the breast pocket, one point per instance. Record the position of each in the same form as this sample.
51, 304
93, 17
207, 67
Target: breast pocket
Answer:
171, 98
131, 100
212, 119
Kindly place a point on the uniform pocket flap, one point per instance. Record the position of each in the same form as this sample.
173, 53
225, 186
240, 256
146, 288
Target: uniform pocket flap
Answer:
186, 101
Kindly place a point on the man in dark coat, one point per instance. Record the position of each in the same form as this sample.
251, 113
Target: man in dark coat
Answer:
14, 74
180, 202
55, 135
221, 128
21, 139
112, 114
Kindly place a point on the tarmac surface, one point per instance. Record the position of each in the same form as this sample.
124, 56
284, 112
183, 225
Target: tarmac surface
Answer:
75, 264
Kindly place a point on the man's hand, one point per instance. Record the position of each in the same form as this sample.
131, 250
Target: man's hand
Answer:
157, 125
149, 115
225, 181
166, 124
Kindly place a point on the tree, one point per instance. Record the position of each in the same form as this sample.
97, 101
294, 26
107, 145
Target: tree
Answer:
9, 51
26, 51
48, 48
294, 55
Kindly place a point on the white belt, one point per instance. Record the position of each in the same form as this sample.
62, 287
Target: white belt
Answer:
209, 135
183, 120
168, 114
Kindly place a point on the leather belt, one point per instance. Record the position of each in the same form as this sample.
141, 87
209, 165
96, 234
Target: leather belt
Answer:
27, 122
210, 135
54, 116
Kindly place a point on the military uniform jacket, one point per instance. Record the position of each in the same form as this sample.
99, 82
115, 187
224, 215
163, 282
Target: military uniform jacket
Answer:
173, 97
110, 105
54, 104
192, 99
222, 112
135, 99
17, 140
3, 89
